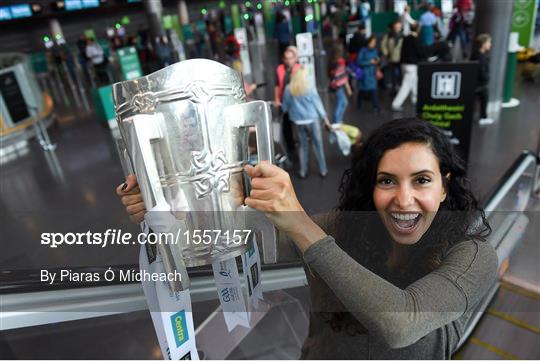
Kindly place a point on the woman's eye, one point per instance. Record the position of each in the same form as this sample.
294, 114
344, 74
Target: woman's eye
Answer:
385, 181
423, 180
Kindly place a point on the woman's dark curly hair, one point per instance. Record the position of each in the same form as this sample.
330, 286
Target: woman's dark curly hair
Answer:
459, 217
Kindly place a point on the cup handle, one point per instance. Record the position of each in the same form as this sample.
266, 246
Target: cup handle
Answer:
145, 129
259, 114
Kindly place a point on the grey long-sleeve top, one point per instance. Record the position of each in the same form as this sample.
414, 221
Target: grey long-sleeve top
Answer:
424, 320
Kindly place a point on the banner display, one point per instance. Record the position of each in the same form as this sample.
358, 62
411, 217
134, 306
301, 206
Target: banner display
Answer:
242, 38
304, 43
523, 20
446, 98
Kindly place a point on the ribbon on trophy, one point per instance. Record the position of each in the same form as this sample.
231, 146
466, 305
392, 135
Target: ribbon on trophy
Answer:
170, 308
170, 311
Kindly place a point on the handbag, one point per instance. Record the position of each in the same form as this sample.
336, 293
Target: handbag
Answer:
378, 73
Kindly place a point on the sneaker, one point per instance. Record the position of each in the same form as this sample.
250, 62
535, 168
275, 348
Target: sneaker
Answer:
302, 175
397, 109
323, 174
486, 121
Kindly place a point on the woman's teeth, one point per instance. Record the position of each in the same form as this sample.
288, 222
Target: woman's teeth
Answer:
405, 221
405, 216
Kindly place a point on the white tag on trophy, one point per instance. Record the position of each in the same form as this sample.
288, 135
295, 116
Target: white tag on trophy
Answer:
251, 263
230, 293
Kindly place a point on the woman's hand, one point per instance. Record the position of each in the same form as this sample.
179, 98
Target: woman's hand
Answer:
131, 198
273, 194
327, 124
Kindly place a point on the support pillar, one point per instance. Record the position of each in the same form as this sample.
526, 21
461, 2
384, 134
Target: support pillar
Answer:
56, 29
495, 18
154, 12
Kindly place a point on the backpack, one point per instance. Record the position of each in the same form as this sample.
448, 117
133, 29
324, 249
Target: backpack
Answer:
355, 71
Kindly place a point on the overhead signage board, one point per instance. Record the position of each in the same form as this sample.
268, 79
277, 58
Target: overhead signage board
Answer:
20, 11
5, 13
446, 98
90, 4
73, 5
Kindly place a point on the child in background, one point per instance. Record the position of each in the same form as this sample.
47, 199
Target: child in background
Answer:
481, 54
339, 82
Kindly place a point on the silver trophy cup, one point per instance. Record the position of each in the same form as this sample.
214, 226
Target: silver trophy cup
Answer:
186, 129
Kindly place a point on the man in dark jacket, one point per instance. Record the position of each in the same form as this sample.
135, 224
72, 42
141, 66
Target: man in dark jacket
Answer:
480, 54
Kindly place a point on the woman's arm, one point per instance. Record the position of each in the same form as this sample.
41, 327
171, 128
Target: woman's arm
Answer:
409, 19
402, 317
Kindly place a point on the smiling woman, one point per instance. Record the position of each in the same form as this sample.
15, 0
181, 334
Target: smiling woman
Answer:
397, 269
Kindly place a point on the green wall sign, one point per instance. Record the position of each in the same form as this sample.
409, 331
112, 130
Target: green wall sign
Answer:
129, 63
523, 18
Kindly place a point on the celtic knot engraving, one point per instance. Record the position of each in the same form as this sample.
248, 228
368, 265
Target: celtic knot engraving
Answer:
145, 102
238, 92
210, 171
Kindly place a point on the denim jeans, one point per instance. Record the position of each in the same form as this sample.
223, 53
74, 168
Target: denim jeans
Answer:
313, 131
341, 105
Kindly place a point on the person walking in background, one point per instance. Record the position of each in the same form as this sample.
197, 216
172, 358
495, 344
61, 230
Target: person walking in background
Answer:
284, 72
412, 52
391, 45
339, 82
481, 54
163, 51
95, 53
198, 39
428, 24
406, 20
283, 34
369, 60
306, 110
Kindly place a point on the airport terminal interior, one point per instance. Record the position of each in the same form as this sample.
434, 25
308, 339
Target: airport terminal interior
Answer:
66, 66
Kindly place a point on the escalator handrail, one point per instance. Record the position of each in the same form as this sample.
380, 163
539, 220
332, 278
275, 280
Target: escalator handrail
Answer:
510, 177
